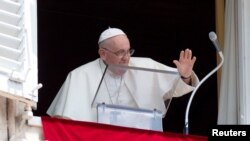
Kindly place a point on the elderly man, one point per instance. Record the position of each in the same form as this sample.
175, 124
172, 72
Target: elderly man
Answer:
76, 95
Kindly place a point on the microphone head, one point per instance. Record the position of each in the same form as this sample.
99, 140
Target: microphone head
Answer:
212, 36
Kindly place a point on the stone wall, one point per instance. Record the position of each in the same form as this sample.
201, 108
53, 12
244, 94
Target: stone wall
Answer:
13, 122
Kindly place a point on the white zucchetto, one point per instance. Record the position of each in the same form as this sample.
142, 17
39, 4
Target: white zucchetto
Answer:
110, 32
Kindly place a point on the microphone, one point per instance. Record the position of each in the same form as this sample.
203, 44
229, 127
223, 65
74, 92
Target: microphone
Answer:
213, 38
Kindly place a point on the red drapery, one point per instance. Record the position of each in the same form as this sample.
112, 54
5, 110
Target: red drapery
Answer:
68, 130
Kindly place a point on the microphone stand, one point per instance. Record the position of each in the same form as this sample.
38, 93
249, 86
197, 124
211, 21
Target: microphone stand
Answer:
186, 128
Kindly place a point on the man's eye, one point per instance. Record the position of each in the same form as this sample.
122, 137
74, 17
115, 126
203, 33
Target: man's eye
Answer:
120, 52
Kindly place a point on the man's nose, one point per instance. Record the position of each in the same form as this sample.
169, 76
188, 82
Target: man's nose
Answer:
126, 56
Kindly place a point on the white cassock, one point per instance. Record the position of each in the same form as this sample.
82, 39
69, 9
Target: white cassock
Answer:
75, 97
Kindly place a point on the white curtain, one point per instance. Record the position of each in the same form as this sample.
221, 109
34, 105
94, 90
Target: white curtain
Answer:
234, 99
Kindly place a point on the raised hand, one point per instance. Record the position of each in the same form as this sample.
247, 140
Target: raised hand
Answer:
185, 63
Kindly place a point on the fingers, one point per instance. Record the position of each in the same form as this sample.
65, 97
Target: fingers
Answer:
194, 59
188, 54
185, 56
182, 55
177, 63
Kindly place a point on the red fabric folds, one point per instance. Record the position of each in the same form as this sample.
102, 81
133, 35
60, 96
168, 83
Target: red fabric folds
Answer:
55, 129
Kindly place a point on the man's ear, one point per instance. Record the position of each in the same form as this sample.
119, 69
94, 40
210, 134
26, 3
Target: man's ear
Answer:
102, 53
